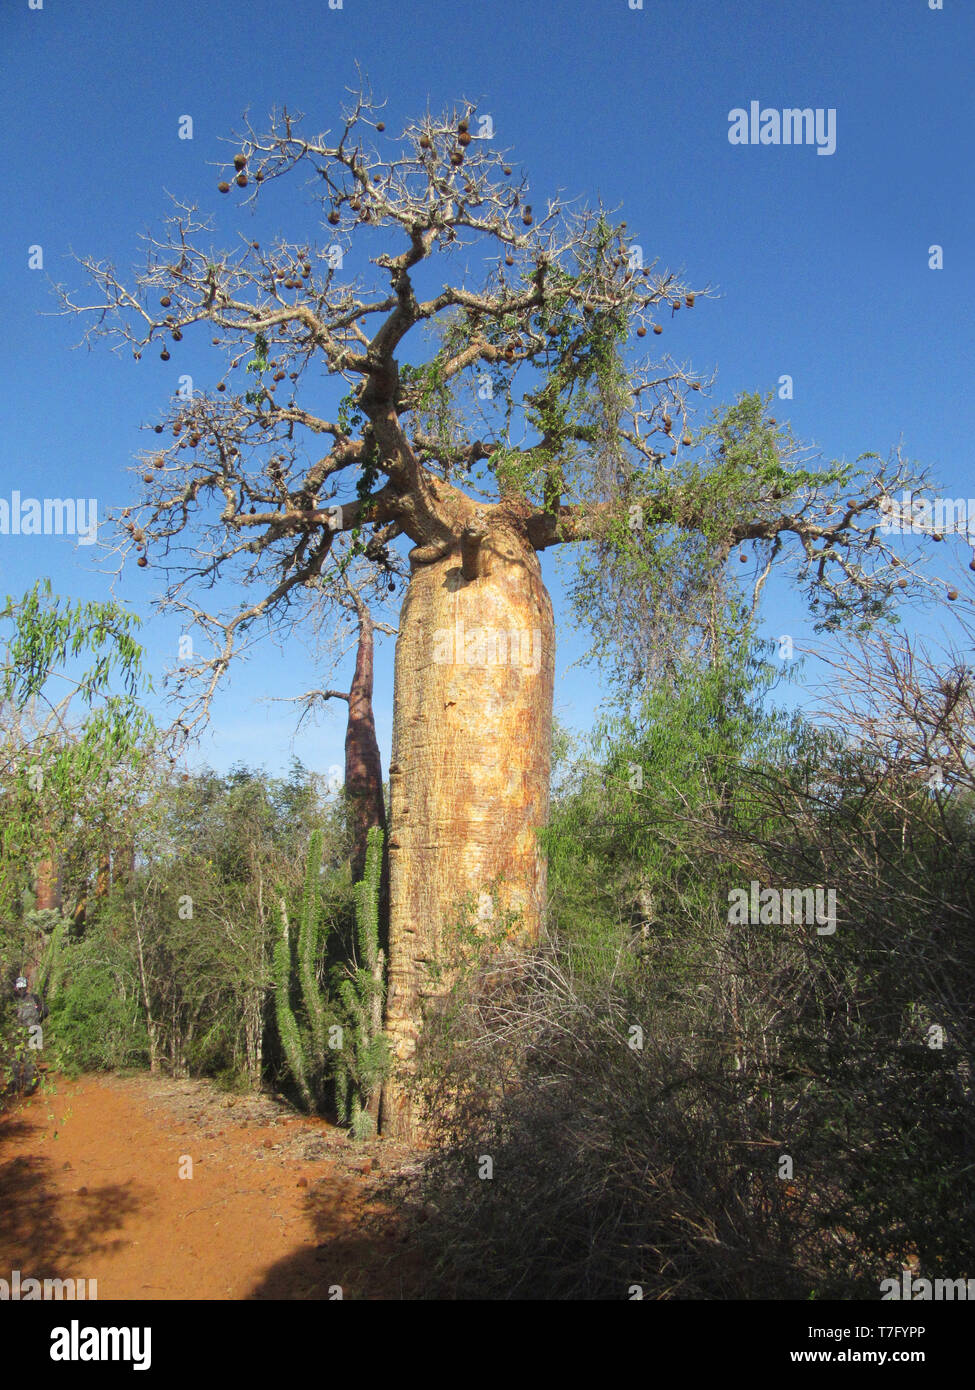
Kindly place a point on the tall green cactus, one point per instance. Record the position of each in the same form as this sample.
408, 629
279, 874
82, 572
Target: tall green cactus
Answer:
364, 1059
305, 1046
288, 1029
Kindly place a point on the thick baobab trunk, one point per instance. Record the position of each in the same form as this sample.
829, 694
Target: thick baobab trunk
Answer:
470, 769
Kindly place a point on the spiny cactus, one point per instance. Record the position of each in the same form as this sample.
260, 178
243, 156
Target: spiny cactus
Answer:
288, 1029
305, 1047
364, 1059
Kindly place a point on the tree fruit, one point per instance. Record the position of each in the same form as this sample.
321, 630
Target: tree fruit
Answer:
223, 186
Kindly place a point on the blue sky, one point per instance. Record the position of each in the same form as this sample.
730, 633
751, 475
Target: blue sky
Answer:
821, 262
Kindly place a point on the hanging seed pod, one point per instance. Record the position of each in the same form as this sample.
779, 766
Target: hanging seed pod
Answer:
164, 356
241, 180
165, 301
142, 562
221, 386
240, 162
224, 187
689, 300
657, 328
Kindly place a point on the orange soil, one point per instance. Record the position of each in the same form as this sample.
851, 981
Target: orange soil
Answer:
90, 1187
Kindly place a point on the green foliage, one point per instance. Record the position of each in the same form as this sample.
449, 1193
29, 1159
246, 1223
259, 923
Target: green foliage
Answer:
69, 729
96, 1021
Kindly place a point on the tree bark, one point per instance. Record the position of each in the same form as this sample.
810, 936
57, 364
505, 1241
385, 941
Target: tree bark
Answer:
103, 880
47, 887
470, 771
363, 766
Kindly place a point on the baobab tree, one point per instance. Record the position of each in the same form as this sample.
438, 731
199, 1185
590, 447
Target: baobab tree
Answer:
529, 418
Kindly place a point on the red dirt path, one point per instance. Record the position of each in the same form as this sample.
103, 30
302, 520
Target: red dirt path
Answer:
90, 1188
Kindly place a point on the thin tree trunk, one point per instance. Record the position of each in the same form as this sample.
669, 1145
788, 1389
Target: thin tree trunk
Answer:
363, 766
150, 1023
47, 887
470, 771
102, 882
124, 863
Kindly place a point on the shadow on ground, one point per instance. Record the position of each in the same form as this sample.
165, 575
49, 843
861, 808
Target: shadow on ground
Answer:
43, 1231
362, 1250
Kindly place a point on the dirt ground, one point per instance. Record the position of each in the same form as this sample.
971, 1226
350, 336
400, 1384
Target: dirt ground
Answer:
278, 1205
